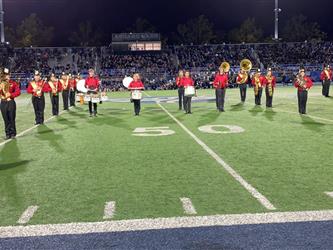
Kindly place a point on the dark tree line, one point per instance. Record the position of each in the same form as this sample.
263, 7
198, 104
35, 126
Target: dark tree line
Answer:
200, 30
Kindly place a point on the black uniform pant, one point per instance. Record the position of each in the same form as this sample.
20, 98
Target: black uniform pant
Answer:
258, 97
65, 98
220, 98
302, 99
216, 99
72, 98
39, 106
269, 99
242, 89
8, 111
137, 106
187, 104
55, 104
181, 98
91, 108
326, 88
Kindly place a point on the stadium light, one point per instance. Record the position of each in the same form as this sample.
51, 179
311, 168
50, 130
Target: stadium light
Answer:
277, 10
2, 26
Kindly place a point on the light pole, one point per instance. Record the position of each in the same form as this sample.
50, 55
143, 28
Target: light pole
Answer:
277, 10
2, 26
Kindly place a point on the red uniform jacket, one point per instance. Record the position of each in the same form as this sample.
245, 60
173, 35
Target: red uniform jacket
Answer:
273, 81
14, 90
187, 81
57, 85
261, 80
72, 84
179, 82
136, 85
308, 84
221, 81
323, 75
45, 87
92, 83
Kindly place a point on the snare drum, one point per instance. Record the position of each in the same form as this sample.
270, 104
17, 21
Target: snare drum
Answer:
87, 98
136, 95
95, 99
190, 91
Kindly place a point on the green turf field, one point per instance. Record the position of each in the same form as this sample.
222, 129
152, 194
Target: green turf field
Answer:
74, 164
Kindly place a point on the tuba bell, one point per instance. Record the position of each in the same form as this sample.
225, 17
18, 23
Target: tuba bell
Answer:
225, 67
246, 65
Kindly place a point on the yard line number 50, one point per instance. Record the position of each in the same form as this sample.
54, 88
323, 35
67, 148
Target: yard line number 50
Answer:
208, 129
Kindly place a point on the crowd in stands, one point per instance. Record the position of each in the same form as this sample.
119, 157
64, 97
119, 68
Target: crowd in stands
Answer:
159, 69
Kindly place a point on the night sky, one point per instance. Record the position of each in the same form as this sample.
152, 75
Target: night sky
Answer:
117, 15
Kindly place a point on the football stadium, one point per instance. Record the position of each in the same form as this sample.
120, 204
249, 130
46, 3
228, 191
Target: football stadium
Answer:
141, 142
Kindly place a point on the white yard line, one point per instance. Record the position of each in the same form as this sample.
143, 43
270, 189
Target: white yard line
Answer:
30, 129
109, 210
254, 192
330, 194
165, 223
27, 215
188, 206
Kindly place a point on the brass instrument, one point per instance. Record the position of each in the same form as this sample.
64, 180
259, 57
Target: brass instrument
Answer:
327, 74
301, 81
246, 66
270, 85
257, 84
4, 87
54, 87
225, 67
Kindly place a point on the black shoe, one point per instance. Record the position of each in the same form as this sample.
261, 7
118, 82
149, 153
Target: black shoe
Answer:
7, 137
13, 137
95, 114
90, 114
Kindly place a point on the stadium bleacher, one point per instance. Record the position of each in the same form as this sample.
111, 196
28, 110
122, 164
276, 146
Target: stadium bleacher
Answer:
159, 68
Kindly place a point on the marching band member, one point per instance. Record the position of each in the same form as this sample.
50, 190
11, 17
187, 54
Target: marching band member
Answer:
72, 90
220, 84
136, 84
55, 86
92, 84
187, 81
269, 83
326, 77
65, 89
180, 89
37, 88
303, 84
9, 90
258, 81
241, 80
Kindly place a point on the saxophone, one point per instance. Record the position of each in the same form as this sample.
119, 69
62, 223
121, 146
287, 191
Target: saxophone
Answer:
4, 87
327, 74
257, 85
301, 81
270, 85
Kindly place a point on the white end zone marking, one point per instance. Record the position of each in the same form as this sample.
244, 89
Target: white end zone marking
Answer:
165, 223
231, 129
254, 192
330, 194
188, 206
109, 210
27, 215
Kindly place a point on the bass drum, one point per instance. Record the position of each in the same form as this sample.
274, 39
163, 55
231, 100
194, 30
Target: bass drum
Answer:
127, 81
81, 86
